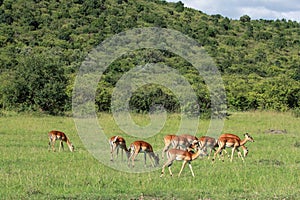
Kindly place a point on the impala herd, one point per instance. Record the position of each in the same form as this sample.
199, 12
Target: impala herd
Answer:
185, 148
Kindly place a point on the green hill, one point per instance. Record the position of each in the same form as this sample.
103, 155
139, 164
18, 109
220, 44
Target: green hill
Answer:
43, 43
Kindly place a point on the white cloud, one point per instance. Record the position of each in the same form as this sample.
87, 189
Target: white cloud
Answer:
256, 9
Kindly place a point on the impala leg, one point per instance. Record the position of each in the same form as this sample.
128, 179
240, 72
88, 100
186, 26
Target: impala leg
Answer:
145, 155
165, 150
129, 158
111, 152
127, 155
117, 148
171, 174
225, 152
210, 152
183, 165
216, 153
240, 155
133, 157
168, 163
53, 145
50, 146
61, 145
190, 166
151, 160
163, 170
233, 149
122, 153
221, 154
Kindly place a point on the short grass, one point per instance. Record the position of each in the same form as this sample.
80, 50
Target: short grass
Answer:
29, 171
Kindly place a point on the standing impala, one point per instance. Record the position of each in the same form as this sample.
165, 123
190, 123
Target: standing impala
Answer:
58, 135
178, 141
115, 143
212, 144
234, 142
245, 150
142, 147
187, 156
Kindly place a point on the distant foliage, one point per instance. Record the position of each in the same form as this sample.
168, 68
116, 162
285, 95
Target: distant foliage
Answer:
245, 18
42, 45
39, 84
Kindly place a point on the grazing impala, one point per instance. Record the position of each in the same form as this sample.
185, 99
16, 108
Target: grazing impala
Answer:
178, 141
58, 135
234, 142
190, 138
142, 147
115, 143
187, 156
208, 142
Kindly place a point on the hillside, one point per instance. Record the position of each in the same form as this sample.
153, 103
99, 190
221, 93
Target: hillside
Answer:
43, 42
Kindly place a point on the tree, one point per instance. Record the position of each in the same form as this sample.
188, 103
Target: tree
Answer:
245, 18
179, 6
40, 84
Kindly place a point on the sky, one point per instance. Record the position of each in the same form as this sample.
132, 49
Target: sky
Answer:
256, 9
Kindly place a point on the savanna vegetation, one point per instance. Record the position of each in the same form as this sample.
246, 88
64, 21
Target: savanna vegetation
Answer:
42, 46
43, 43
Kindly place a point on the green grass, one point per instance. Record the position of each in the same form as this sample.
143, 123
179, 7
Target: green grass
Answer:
29, 171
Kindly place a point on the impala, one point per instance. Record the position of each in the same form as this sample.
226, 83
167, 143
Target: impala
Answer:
234, 142
212, 144
115, 143
208, 142
142, 147
187, 156
177, 141
190, 138
167, 141
245, 150
58, 135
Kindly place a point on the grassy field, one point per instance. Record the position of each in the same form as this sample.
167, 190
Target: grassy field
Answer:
29, 171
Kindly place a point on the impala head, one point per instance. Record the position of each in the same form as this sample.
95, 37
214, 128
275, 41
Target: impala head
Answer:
249, 138
71, 147
195, 146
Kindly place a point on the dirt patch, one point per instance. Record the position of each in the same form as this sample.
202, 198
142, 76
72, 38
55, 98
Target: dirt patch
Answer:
270, 162
297, 144
276, 131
